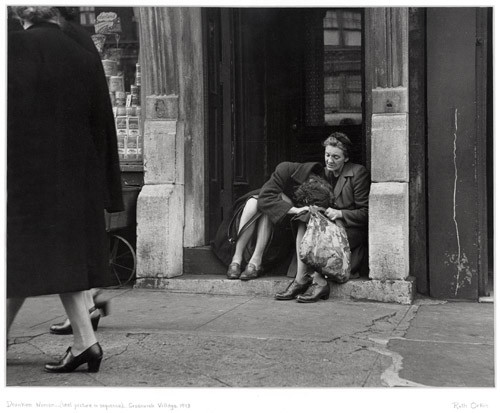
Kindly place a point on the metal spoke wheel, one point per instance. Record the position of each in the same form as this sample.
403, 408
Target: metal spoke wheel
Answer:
122, 262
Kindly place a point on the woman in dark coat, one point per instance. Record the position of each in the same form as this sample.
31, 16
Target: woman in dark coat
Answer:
108, 152
57, 184
351, 188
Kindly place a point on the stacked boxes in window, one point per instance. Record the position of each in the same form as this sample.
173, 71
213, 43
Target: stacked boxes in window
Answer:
127, 110
122, 136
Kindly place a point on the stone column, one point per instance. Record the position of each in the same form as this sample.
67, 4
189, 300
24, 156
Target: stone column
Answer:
160, 206
171, 206
387, 42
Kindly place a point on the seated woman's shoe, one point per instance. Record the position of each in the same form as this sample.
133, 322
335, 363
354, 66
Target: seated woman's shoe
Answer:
314, 293
293, 290
65, 328
251, 272
92, 356
234, 271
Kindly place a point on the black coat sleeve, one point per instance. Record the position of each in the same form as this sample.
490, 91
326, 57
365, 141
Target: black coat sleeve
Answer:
270, 201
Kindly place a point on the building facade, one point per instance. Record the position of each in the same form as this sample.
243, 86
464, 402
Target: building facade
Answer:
227, 94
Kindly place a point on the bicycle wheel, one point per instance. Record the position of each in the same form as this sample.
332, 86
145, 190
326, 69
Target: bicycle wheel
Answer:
122, 260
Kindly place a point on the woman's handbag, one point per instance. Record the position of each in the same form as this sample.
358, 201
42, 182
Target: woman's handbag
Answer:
325, 247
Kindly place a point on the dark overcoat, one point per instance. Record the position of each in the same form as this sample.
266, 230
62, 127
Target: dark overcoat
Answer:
107, 141
57, 186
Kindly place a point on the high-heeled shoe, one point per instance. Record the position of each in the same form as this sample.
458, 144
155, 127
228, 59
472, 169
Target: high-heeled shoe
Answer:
65, 328
314, 293
233, 271
293, 290
251, 272
92, 356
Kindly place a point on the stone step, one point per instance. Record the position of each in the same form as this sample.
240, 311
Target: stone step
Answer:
201, 260
360, 289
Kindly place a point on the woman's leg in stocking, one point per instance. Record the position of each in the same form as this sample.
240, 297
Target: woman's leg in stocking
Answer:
89, 299
78, 314
263, 234
301, 276
249, 211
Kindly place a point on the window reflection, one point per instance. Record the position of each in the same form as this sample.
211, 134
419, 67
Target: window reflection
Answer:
342, 67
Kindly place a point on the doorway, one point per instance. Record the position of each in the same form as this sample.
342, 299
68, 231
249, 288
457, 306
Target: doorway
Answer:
279, 82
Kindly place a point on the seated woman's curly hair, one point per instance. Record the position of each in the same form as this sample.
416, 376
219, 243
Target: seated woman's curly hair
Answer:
314, 191
339, 140
35, 14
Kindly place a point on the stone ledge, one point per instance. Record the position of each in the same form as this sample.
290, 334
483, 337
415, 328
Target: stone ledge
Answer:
386, 291
391, 291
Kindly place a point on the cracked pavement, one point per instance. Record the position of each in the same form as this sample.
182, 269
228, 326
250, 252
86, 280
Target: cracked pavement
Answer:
163, 339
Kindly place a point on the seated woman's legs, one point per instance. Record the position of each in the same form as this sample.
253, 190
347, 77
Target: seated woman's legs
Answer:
263, 234
250, 209
302, 274
304, 287
302, 280
319, 289
254, 266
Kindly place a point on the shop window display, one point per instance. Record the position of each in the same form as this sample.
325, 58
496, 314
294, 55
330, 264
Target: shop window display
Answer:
115, 35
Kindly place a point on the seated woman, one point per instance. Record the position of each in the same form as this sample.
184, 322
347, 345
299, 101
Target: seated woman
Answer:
351, 183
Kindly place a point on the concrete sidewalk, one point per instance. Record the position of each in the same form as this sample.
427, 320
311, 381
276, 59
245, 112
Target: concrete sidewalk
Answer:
156, 338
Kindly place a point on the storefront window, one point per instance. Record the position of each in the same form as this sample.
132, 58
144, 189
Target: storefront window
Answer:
114, 31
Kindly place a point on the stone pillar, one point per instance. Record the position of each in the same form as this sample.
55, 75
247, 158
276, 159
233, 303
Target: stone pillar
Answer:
160, 206
387, 40
171, 206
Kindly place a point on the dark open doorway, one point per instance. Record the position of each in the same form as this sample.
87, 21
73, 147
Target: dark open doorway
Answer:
279, 82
